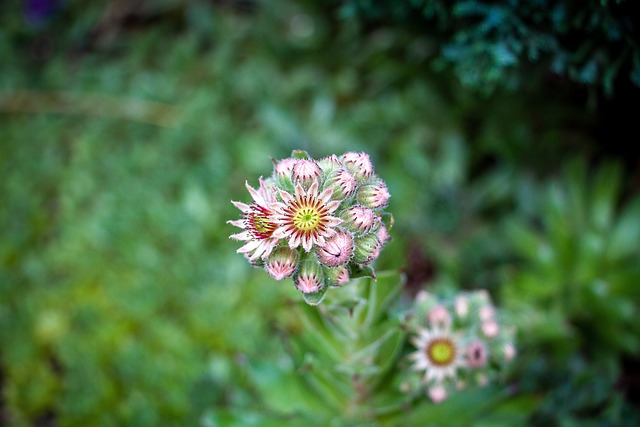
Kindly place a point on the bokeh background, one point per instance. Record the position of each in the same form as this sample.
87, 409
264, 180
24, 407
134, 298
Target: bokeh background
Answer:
507, 134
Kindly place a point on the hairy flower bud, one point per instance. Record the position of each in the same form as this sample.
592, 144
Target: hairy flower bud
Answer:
374, 195
359, 164
282, 263
305, 171
383, 234
439, 315
337, 249
309, 278
367, 248
282, 172
476, 354
336, 276
360, 220
329, 163
342, 183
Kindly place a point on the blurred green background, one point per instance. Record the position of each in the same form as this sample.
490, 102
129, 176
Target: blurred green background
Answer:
506, 135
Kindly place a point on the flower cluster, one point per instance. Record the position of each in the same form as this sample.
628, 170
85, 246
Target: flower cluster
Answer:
459, 342
318, 221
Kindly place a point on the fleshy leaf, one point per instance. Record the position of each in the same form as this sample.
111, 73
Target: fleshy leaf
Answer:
315, 298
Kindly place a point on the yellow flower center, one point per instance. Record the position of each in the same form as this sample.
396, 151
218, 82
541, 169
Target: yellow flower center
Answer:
441, 351
306, 218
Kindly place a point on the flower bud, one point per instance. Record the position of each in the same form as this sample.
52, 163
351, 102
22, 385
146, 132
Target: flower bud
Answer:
487, 312
342, 182
383, 234
367, 248
305, 171
359, 164
439, 315
282, 172
437, 393
329, 163
509, 351
337, 249
476, 354
374, 195
462, 306
282, 263
490, 328
309, 278
360, 220
336, 276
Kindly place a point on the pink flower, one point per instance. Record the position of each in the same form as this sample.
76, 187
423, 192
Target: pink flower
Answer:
487, 312
359, 164
305, 171
374, 196
360, 220
437, 393
282, 263
337, 250
462, 306
284, 167
336, 276
490, 328
383, 234
343, 184
305, 218
257, 222
509, 352
476, 354
439, 316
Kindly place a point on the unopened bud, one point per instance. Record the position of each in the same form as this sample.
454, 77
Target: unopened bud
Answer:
439, 315
342, 182
360, 220
337, 249
437, 393
476, 354
359, 164
336, 276
309, 278
367, 248
305, 171
374, 195
383, 234
282, 263
282, 172
329, 163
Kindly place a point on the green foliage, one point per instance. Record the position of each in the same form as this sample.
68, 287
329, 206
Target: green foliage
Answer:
127, 130
575, 290
489, 44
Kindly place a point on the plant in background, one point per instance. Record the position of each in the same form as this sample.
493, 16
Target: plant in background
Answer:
321, 222
459, 342
489, 44
574, 292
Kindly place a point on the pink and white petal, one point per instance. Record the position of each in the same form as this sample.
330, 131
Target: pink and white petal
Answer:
237, 223
279, 233
307, 243
294, 242
245, 235
325, 196
313, 189
332, 206
249, 246
256, 195
242, 206
286, 197
332, 221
